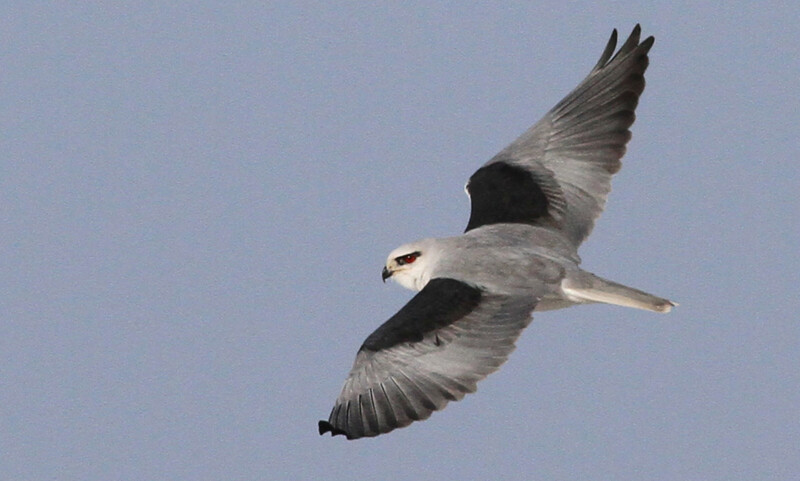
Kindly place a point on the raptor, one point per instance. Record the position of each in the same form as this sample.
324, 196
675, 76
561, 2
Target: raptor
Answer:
532, 205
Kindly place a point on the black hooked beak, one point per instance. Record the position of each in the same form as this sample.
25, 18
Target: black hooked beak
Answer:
386, 274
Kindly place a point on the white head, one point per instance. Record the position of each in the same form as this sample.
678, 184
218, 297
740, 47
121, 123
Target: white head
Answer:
411, 265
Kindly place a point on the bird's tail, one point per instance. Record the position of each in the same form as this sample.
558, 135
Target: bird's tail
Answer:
589, 288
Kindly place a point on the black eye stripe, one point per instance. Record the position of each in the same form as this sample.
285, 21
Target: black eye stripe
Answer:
407, 258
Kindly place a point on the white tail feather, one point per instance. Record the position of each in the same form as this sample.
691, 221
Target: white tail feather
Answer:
596, 289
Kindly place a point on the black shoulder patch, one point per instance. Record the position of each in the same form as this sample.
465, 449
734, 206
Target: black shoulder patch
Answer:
503, 193
440, 303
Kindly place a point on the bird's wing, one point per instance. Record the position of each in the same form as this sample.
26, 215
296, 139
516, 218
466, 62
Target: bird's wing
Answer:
434, 350
558, 173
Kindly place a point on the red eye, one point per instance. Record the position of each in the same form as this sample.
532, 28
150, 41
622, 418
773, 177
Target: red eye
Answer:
407, 259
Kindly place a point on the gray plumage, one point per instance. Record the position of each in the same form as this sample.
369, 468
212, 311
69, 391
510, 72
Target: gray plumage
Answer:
533, 204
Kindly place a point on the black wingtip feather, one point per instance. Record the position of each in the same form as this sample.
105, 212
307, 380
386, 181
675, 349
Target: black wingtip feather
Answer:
326, 427
608, 51
630, 44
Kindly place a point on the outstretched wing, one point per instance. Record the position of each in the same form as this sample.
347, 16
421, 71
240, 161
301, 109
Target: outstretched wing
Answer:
434, 350
558, 173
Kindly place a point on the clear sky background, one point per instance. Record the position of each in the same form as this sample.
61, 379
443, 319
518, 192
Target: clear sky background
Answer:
197, 201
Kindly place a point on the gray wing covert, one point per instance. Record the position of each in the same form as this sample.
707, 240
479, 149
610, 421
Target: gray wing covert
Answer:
558, 173
433, 351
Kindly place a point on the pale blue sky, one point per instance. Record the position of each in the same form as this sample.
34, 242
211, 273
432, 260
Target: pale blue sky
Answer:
197, 200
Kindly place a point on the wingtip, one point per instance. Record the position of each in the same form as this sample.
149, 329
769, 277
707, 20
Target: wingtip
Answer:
630, 44
636, 34
326, 427
608, 51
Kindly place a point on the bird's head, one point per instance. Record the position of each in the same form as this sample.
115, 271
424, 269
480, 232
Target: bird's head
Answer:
409, 265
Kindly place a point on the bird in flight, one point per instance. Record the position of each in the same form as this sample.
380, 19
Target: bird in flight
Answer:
532, 205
